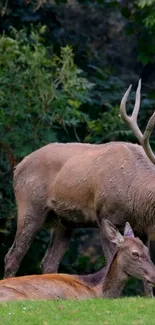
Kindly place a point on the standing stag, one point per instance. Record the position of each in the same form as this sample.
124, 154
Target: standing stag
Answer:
79, 185
131, 258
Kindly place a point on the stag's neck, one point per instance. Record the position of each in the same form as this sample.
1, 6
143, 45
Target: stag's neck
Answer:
114, 281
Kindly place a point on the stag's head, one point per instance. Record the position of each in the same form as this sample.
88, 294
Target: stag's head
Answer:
132, 255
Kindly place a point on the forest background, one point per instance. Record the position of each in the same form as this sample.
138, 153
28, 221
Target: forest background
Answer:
64, 66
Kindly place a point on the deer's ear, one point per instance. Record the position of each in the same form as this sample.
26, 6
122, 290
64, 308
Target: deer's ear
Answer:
112, 233
128, 232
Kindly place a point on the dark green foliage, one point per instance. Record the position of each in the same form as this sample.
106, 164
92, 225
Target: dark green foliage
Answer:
63, 71
141, 22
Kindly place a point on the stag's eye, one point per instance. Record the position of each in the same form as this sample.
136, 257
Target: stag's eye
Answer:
135, 254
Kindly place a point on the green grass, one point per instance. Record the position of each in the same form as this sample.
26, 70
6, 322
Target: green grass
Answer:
131, 311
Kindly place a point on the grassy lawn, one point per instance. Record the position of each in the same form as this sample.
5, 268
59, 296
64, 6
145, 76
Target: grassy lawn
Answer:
131, 311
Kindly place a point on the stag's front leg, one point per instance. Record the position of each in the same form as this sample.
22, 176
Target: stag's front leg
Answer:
59, 243
148, 289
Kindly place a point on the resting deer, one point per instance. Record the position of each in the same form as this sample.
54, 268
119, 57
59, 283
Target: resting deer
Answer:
79, 185
131, 258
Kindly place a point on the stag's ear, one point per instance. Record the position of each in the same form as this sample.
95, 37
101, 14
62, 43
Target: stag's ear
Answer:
128, 232
112, 233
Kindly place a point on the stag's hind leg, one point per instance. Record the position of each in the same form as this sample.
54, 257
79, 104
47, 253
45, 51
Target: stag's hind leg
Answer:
59, 243
30, 220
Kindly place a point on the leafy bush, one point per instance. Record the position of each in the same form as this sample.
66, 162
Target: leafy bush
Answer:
40, 93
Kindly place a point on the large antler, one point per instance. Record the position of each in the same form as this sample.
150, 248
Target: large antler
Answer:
131, 121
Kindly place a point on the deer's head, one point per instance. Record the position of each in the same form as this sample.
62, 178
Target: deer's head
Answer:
132, 255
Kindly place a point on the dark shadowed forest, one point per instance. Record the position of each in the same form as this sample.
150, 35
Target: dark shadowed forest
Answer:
64, 67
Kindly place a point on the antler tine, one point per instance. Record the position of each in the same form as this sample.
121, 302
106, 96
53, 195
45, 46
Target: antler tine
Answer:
124, 116
131, 121
146, 137
137, 102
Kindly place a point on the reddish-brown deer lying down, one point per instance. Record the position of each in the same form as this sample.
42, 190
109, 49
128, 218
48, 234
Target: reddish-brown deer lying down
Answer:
131, 258
73, 185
